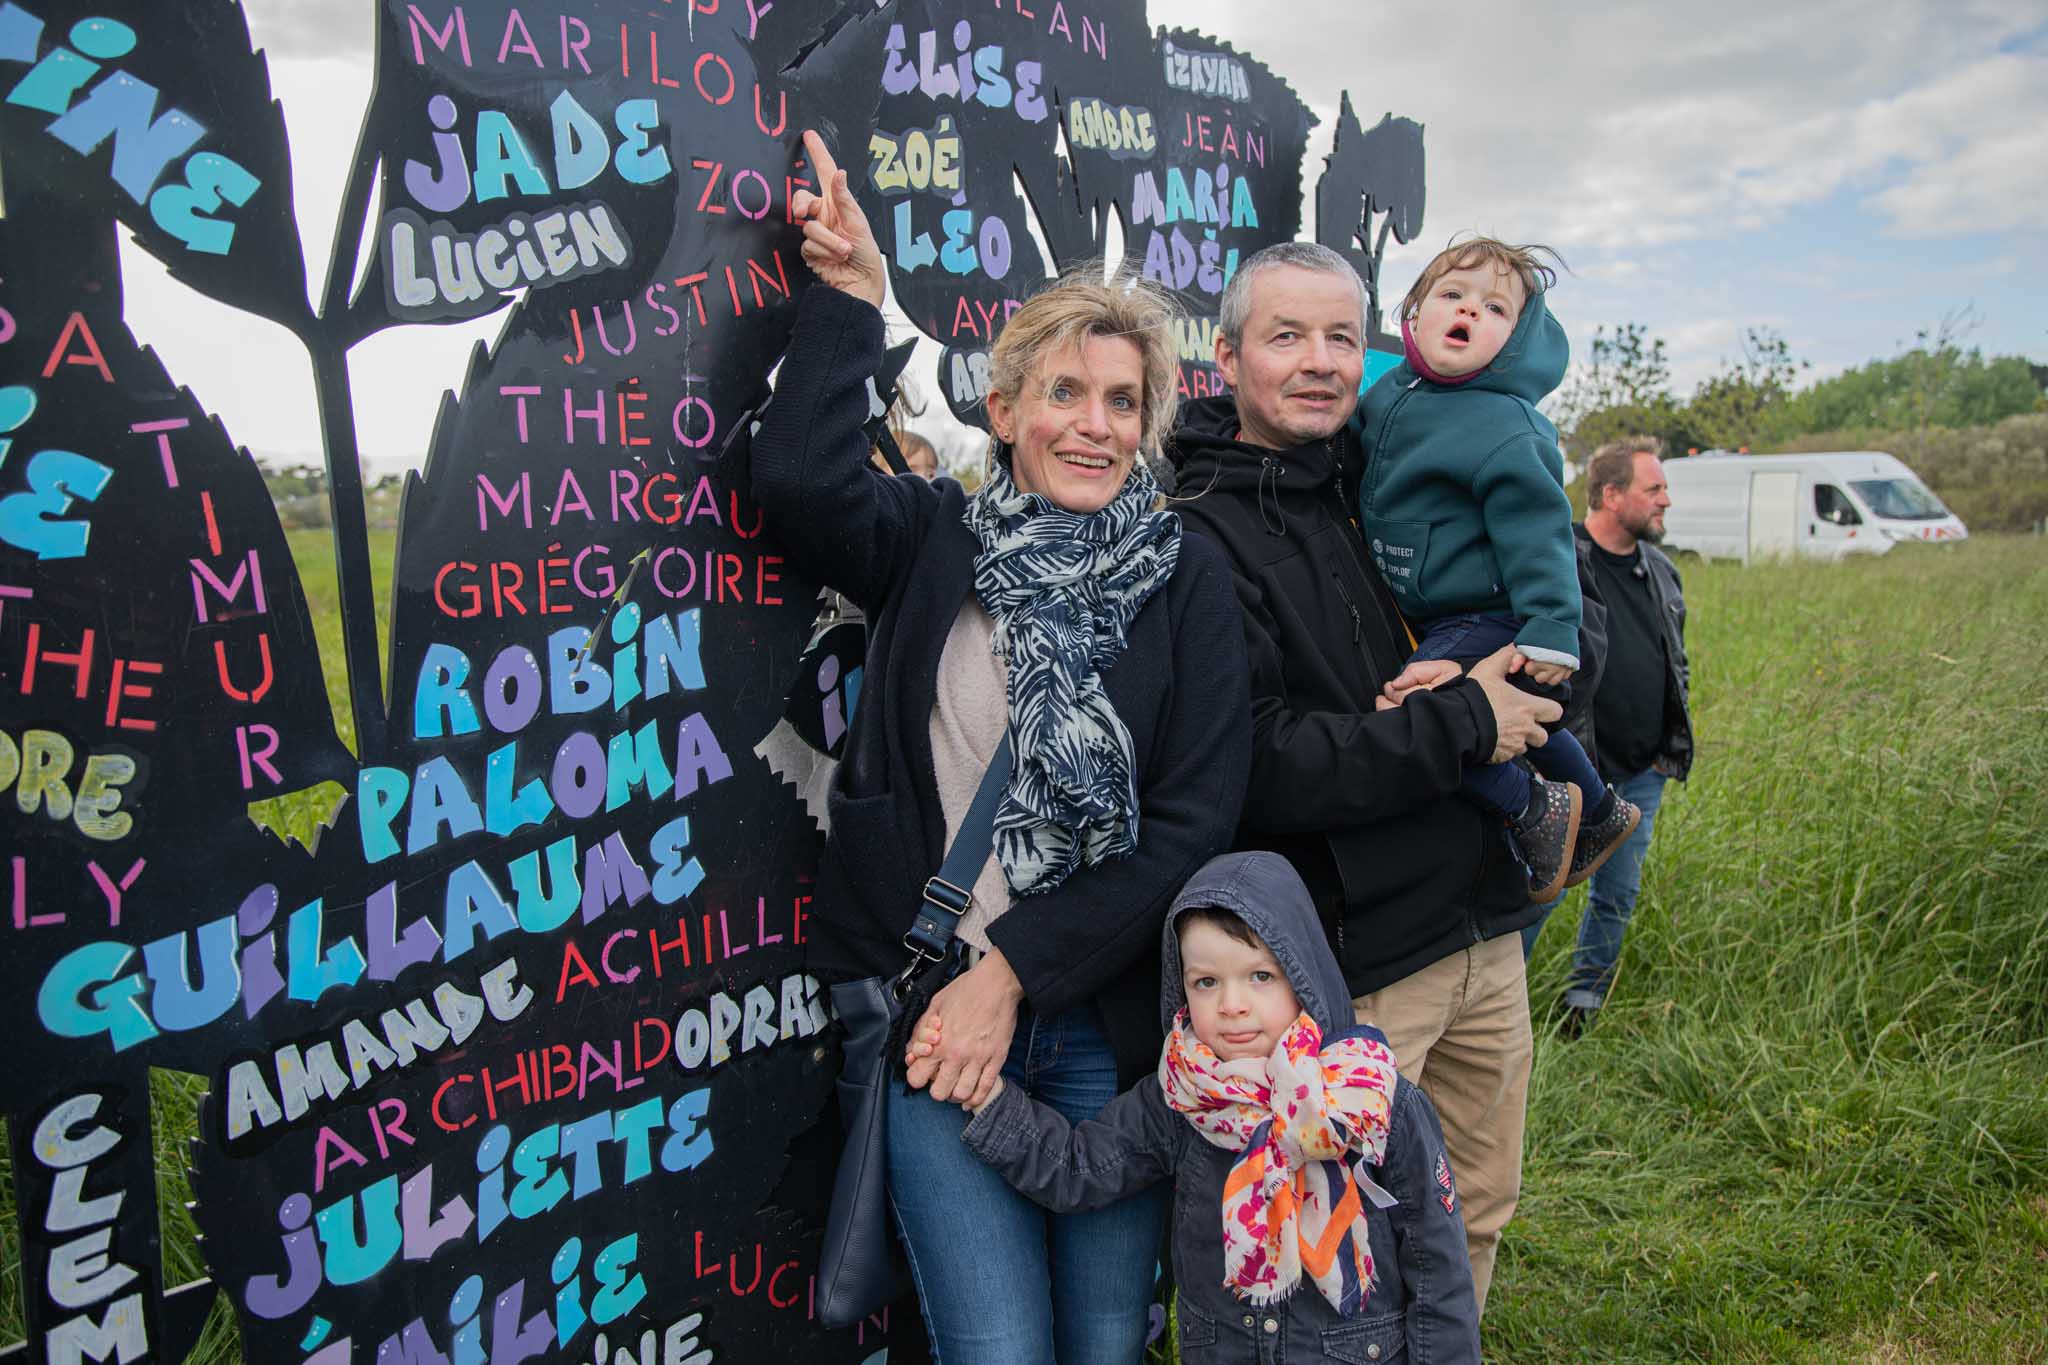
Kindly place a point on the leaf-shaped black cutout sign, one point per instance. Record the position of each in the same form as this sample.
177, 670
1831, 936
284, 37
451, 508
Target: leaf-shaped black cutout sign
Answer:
159, 673
523, 1060
1366, 174
160, 115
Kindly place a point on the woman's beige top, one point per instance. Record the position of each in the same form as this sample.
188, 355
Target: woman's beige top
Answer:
967, 728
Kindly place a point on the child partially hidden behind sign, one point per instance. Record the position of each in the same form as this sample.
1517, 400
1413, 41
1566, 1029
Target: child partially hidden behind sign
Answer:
1316, 1216
1463, 507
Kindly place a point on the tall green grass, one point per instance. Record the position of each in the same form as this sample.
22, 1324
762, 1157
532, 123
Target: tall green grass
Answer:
1812, 1122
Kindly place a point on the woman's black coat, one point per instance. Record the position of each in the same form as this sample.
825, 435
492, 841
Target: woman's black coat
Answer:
900, 548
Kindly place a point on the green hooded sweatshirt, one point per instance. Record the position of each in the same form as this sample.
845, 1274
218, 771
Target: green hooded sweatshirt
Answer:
1463, 504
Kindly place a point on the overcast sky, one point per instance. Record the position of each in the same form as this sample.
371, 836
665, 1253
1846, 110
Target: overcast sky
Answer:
1843, 171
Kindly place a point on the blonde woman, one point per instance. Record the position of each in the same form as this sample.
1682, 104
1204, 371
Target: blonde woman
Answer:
1058, 603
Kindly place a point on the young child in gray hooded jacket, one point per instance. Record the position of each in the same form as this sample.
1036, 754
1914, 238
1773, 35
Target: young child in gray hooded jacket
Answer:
1316, 1214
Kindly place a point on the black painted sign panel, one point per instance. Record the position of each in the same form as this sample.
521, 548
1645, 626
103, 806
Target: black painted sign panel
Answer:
522, 1061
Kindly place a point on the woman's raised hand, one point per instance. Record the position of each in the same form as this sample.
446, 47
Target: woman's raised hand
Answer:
838, 246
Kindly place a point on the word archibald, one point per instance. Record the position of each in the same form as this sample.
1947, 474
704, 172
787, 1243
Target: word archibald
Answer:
93, 990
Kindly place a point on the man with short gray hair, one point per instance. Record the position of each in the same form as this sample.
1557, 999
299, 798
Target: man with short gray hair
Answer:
1419, 892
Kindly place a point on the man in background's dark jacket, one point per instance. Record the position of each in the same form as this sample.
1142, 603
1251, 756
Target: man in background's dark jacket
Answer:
1639, 724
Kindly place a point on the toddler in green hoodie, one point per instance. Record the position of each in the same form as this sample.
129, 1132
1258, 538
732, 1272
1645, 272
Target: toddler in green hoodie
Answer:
1464, 511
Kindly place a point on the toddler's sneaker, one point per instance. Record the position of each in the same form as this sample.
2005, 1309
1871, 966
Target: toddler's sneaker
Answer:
1544, 833
1598, 842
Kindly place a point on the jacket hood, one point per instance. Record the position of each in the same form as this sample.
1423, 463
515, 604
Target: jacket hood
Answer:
1530, 365
1264, 891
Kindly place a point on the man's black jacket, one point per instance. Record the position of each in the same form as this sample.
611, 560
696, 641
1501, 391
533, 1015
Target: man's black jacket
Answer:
1363, 802
1667, 596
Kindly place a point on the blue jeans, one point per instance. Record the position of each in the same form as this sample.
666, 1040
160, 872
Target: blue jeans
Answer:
1503, 788
1001, 1281
1612, 900
1532, 932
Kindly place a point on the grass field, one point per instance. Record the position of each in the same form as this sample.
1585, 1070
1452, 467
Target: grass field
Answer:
1812, 1123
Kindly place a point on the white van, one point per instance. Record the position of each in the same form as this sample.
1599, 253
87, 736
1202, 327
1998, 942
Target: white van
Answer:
1826, 505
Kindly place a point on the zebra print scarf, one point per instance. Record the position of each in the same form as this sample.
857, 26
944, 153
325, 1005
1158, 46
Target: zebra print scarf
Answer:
1063, 589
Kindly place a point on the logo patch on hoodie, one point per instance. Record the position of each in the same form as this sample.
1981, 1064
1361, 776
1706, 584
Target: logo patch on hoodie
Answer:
1449, 1197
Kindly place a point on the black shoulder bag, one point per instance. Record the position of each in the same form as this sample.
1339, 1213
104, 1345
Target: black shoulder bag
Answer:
858, 1267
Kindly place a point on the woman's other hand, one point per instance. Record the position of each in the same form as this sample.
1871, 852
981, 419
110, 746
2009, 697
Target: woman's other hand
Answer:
838, 246
980, 1013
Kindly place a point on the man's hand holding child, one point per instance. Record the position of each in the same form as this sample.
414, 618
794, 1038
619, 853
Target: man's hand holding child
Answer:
1540, 673
1422, 675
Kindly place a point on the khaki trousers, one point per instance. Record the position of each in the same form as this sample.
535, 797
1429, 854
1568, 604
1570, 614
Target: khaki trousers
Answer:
1460, 1030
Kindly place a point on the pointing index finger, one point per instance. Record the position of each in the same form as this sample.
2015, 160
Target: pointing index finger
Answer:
821, 161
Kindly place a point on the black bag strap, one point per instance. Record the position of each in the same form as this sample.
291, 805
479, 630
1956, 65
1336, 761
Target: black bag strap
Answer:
951, 889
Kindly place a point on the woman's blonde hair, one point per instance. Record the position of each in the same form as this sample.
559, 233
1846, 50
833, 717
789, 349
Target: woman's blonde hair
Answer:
1081, 304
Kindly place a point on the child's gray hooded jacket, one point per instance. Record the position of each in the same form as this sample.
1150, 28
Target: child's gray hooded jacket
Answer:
1421, 1306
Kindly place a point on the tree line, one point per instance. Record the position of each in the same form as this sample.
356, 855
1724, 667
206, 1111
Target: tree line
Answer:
1755, 400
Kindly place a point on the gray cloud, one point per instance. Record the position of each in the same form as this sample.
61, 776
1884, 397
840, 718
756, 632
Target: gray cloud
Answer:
1629, 134
339, 29
1622, 124
1622, 132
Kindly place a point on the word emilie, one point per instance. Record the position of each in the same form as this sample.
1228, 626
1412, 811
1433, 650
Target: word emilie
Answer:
513, 1337
124, 108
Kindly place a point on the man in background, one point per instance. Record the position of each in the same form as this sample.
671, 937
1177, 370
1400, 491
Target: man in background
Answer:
1640, 719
